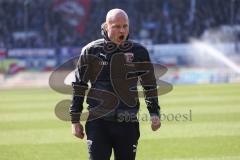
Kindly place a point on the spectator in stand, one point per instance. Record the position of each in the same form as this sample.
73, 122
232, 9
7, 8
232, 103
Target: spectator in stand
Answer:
166, 20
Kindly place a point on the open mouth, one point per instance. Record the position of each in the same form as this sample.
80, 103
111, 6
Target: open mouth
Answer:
121, 37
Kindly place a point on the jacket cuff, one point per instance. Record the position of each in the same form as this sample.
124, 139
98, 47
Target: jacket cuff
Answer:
155, 113
75, 117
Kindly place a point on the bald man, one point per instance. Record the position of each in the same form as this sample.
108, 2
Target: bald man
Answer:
117, 26
110, 65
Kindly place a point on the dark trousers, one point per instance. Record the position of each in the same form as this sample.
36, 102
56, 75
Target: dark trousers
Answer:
104, 135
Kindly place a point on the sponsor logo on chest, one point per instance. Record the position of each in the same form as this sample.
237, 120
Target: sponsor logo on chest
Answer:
129, 57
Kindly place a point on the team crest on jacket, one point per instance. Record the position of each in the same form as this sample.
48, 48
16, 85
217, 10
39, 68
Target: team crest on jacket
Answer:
129, 57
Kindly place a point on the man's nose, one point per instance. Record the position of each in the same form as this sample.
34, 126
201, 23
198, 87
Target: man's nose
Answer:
122, 30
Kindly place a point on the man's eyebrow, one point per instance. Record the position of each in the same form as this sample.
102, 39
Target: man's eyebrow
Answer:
117, 24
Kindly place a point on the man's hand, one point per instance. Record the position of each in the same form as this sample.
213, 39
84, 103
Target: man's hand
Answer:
78, 130
156, 124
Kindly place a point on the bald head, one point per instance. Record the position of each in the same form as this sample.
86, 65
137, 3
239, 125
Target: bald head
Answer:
117, 25
115, 13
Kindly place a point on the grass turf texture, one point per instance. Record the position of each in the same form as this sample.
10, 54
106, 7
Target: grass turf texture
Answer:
29, 129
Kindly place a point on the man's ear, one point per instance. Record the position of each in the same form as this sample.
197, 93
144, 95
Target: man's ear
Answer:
105, 26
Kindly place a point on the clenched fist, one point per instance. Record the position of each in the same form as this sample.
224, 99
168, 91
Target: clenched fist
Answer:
156, 124
78, 130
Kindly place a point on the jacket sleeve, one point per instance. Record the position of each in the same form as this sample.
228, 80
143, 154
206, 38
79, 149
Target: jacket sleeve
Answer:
79, 87
148, 82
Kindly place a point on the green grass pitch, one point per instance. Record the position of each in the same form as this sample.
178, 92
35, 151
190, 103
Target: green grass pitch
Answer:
29, 129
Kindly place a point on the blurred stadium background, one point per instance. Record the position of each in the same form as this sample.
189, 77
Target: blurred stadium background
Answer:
197, 40
37, 36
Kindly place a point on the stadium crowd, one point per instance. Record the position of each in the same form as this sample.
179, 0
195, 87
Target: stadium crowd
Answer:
39, 23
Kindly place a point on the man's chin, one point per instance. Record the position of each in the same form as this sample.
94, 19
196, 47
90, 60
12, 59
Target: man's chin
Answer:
120, 42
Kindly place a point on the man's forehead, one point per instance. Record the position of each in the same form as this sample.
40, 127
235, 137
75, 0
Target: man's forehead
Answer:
116, 14
118, 21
